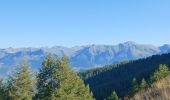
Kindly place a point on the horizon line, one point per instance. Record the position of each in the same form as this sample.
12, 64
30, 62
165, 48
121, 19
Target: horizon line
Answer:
34, 47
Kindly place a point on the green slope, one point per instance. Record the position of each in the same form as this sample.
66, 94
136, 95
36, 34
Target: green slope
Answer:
118, 77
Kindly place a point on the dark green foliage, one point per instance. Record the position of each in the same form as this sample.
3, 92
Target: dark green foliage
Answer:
1, 89
46, 80
103, 81
113, 96
21, 84
57, 81
160, 73
143, 84
134, 87
71, 87
156, 87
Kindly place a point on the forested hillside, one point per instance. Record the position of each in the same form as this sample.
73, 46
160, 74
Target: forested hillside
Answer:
118, 77
56, 80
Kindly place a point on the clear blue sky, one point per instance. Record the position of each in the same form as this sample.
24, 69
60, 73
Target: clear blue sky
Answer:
39, 23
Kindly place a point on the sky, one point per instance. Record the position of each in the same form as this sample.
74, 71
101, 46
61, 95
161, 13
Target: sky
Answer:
46, 23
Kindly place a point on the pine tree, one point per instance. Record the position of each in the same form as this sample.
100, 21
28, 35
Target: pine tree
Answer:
160, 73
113, 96
143, 84
57, 81
134, 87
71, 87
22, 83
1, 89
46, 79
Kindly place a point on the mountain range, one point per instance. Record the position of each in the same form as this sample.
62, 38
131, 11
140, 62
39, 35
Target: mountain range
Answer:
81, 57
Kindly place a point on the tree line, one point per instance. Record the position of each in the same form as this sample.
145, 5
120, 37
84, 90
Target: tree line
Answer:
159, 74
54, 81
118, 77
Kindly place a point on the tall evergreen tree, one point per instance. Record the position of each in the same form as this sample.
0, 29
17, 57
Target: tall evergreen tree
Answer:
160, 73
71, 87
134, 87
46, 79
22, 83
1, 89
143, 84
113, 96
57, 81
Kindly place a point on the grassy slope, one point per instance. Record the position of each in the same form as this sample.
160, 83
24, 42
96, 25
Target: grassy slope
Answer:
118, 77
158, 91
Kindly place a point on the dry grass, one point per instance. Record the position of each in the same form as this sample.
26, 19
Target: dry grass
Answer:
158, 91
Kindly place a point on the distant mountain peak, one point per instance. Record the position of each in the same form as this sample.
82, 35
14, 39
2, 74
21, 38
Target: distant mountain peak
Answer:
82, 57
166, 45
130, 42
165, 48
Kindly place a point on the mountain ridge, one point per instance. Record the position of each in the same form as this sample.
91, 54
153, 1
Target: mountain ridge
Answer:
81, 57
